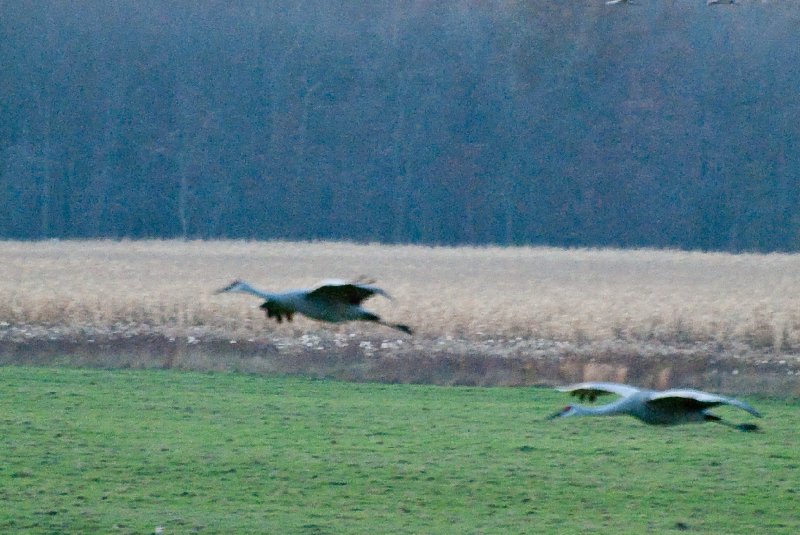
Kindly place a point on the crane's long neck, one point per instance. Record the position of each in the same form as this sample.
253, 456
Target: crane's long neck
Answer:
245, 287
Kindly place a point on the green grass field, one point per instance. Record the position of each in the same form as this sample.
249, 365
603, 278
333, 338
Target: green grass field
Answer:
87, 451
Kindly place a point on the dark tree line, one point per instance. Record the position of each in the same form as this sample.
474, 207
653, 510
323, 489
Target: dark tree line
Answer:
671, 124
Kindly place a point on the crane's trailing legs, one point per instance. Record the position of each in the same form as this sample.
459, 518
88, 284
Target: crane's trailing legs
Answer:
741, 427
369, 316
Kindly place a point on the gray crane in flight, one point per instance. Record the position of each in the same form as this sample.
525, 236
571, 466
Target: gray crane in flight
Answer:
667, 407
333, 301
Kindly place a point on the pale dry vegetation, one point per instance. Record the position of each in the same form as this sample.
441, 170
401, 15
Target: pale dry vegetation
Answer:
502, 302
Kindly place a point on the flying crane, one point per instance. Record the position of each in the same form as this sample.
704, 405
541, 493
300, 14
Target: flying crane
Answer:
668, 407
332, 301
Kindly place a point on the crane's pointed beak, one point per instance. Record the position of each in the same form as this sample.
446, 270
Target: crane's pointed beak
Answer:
558, 414
228, 288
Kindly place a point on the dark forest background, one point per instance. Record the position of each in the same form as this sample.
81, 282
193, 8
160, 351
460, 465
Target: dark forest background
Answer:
666, 123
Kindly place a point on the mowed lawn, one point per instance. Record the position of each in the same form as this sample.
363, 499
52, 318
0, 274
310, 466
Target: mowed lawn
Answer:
88, 451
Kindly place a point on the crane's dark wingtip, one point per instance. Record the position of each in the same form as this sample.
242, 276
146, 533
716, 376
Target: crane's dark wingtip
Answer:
748, 428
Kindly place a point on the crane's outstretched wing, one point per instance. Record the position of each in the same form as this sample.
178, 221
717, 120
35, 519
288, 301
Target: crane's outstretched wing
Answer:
353, 292
696, 400
591, 391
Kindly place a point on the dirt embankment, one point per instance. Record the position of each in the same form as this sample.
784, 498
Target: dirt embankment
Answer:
447, 361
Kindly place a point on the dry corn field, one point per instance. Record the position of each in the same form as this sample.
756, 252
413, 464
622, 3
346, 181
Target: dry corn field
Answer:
481, 315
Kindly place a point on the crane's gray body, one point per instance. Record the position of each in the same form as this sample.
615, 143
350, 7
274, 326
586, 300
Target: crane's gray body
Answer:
316, 307
668, 407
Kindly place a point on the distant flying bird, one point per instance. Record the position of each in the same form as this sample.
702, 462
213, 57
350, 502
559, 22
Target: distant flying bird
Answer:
612, 2
712, 2
333, 301
668, 407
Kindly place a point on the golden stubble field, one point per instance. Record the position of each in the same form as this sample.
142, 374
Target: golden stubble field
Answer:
608, 310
